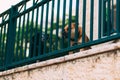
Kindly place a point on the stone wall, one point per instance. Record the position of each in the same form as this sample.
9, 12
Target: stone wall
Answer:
101, 63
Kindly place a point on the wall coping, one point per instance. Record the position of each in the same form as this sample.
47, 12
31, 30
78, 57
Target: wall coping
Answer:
90, 52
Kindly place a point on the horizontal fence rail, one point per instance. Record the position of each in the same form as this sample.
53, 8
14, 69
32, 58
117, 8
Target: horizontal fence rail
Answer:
37, 30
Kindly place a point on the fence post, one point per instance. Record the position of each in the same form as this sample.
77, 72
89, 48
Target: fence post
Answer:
11, 37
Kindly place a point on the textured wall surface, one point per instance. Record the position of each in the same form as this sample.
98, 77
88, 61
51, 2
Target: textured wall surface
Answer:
101, 63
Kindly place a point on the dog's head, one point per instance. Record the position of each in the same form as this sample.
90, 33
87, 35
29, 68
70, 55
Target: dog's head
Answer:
45, 36
66, 31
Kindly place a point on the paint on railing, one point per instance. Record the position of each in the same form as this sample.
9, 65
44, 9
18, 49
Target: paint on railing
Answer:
36, 32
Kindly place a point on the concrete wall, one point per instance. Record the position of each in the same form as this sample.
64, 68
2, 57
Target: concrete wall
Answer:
101, 63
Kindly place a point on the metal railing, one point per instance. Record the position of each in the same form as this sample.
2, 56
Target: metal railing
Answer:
33, 30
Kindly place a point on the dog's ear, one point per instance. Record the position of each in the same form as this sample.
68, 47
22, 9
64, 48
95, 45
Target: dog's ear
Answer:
66, 28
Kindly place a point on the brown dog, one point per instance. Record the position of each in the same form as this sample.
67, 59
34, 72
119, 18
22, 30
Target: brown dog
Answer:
79, 39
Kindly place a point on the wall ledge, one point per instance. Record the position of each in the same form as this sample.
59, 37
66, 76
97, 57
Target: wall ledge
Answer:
93, 51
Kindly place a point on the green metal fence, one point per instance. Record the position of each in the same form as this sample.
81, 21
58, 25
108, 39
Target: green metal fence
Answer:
33, 30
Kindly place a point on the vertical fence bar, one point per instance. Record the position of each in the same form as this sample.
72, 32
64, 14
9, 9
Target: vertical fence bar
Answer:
46, 27
99, 18
70, 21
57, 24
76, 20
84, 21
3, 45
108, 19
26, 33
18, 39
112, 16
118, 16
5, 39
1, 62
91, 19
11, 39
33, 2
22, 36
24, 53
63, 22
104, 29
51, 29
40, 36
1, 42
31, 34
36, 32
0, 38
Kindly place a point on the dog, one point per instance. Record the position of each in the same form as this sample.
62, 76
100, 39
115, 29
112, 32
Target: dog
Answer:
72, 37
35, 44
